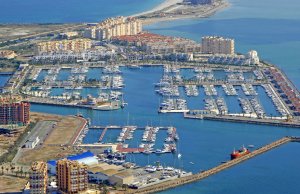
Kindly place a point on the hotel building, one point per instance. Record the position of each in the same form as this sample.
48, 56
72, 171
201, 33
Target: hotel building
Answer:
38, 178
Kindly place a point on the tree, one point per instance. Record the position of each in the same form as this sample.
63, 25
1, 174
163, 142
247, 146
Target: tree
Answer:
2, 168
21, 171
125, 187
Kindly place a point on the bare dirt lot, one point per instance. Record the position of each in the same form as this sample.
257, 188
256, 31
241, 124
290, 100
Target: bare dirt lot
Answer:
14, 31
54, 147
11, 184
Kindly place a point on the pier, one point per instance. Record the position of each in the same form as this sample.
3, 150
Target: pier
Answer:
204, 174
102, 134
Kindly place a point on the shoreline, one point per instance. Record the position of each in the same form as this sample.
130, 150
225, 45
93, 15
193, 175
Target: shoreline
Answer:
170, 11
159, 7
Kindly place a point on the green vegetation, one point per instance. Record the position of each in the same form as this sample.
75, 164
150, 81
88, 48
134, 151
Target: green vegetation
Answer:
12, 151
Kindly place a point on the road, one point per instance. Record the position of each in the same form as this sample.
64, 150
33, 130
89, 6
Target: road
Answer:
42, 129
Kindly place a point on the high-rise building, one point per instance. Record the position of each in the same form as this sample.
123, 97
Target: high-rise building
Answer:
14, 111
217, 45
38, 178
76, 45
72, 176
114, 27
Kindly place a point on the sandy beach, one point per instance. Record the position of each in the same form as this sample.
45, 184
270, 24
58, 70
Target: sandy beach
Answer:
192, 12
163, 5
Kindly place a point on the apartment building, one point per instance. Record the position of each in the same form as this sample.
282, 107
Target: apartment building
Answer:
217, 45
72, 176
38, 178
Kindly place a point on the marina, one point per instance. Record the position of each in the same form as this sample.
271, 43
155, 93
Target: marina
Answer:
101, 87
124, 138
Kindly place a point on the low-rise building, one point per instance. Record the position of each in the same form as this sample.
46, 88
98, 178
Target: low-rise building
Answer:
32, 142
68, 35
121, 178
76, 45
158, 44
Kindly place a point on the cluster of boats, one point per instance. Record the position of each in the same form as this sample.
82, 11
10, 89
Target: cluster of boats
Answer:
233, 77
79, 70
202, 69
51, 75
149, 134
169, 90
246, 105
126, 133
279, 106
257, 107
210, 104
259, 75
110, 95
191, 90
114, 158
77, 78
171, 69
229, 90
210, 90
165, 174
222, 105
36, 74
111, 69
249, 90
114, 82
204, 76
151, 169
173, 105
81, 136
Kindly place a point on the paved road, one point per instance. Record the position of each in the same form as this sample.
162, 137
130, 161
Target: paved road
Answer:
42, 130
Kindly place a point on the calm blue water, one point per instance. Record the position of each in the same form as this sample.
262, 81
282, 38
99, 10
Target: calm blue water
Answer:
67, 11
205, 143
271, 27
4, 79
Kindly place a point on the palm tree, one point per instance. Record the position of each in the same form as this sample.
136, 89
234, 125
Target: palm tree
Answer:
7, 170
21, 170
2, 168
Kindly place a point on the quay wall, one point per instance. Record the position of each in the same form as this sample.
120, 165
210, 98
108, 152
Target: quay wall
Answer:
246, 120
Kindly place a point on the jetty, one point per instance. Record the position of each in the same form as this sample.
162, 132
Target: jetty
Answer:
102, 134
204, 174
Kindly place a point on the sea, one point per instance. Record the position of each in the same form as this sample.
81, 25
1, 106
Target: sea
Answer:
271, 27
